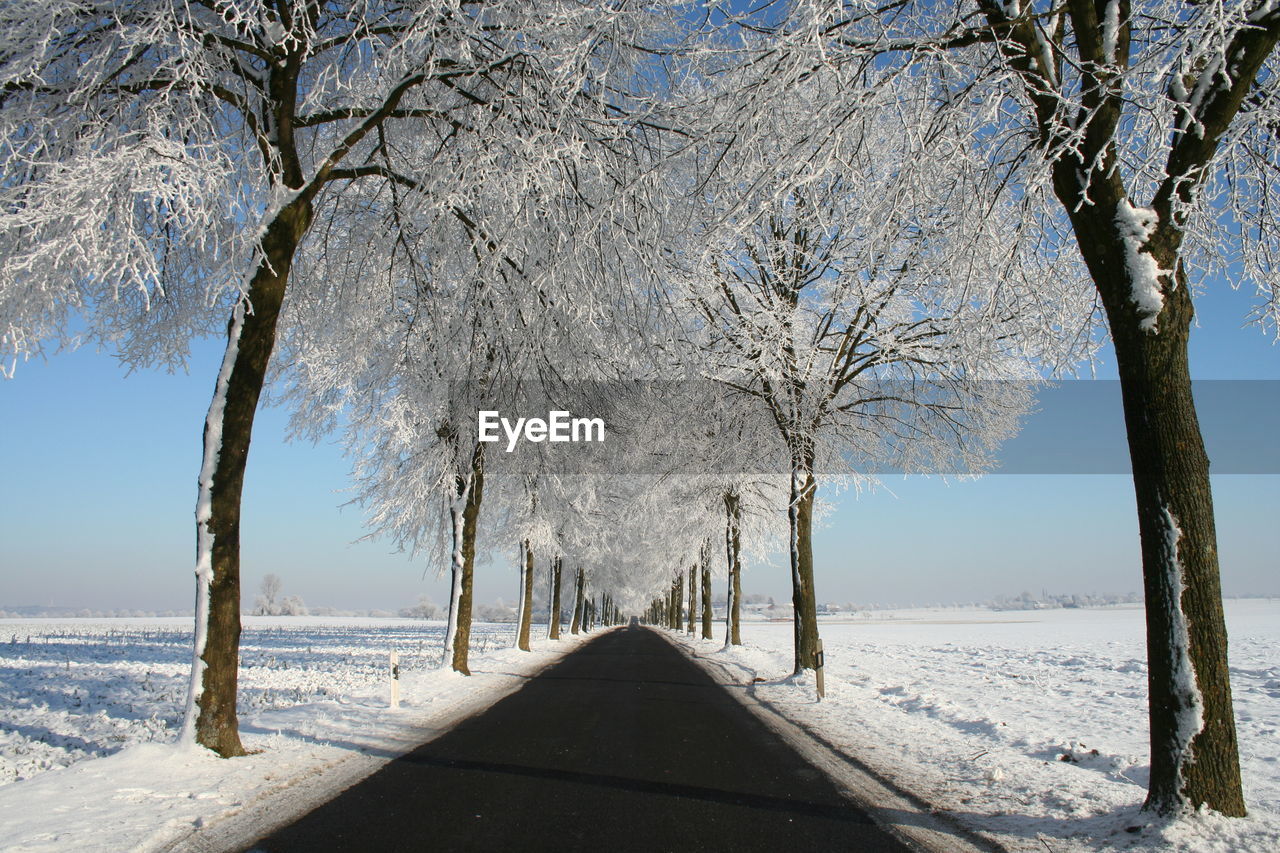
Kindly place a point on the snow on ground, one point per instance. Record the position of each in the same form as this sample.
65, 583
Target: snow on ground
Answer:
1027, 725
89, 710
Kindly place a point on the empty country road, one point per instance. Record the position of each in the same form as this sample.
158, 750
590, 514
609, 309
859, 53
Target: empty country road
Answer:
624, 744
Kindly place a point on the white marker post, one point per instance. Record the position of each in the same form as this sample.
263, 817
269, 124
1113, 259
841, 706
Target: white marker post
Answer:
822, 684
395, 679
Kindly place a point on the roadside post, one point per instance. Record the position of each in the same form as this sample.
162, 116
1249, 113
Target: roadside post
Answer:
395, 679
822, 685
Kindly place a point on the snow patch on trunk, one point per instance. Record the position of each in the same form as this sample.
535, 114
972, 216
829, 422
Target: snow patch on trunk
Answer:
728, 601
1136, 226
793, 519
1189, 705
522, 557
204, 512
455, 593
1110, 28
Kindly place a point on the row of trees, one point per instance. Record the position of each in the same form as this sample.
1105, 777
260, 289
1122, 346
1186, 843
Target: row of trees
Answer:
865, 232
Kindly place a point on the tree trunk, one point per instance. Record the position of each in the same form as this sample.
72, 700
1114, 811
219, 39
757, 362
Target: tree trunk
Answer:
1194, 752
470, 493
707, 614
251, 337
733, 552
579, 596
671, 605
800, 514
678, 604
526, 597
693, 598
553, 629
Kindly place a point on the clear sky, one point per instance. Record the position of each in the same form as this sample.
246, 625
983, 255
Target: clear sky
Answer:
99, 472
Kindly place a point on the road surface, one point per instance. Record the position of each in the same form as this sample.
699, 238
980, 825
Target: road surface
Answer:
622, 745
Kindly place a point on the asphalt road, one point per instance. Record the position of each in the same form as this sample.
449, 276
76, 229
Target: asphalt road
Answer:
622, 745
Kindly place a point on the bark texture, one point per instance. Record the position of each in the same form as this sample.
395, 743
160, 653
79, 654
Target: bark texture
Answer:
579, 595
803, 599
693, 599
553, 618
733, 552
526, 599
1171, 482
1179, 558
707, 614
470, 520
677, 606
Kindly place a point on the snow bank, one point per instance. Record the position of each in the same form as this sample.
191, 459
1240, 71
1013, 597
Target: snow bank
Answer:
90, 711
1028, 726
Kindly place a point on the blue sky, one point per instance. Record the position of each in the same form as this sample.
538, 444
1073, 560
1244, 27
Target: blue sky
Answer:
99, 475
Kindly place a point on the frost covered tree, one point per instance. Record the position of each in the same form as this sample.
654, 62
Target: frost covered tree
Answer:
268, 592
543, 505
424, 609
167, 159
1140, 134
293, 605
167, 166
864, 300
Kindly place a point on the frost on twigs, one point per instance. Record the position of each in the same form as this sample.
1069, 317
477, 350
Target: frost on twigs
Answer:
1136, 226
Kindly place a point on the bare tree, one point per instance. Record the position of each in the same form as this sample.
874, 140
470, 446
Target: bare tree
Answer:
268, 592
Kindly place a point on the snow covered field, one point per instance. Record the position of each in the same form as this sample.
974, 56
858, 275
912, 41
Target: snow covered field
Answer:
314, 700
1030, 725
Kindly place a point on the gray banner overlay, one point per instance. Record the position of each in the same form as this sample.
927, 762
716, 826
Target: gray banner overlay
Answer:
706, 427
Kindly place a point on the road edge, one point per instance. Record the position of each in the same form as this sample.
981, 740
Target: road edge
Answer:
301, 794
927, 829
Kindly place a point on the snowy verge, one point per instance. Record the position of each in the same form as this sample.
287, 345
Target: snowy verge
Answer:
908, 818
165, 796
1029, 728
